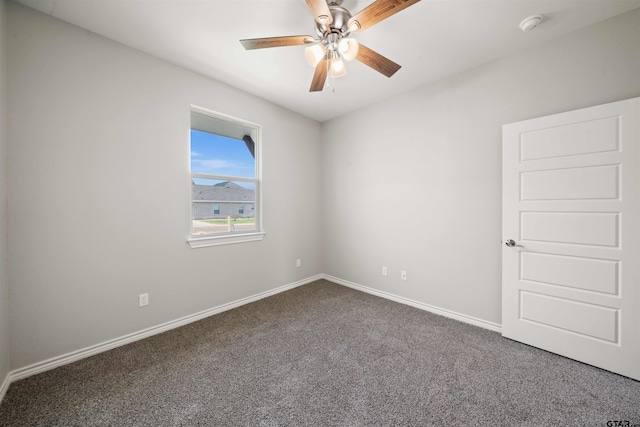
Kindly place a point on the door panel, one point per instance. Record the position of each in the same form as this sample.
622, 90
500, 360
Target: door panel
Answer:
575, 317
593, 136
571, 200
600, 182
585, 228
588, 274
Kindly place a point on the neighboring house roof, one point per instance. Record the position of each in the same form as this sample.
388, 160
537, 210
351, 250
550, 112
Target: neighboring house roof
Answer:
225, 191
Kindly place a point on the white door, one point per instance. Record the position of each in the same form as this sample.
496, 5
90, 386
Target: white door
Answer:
571, 206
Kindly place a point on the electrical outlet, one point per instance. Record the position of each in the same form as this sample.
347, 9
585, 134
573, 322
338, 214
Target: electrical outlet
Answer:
143, 299
403, 274
298, 262
384, 271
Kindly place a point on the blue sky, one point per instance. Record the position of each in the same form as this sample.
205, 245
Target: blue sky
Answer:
219, 155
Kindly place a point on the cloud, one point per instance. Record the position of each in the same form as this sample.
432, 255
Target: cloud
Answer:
195, 154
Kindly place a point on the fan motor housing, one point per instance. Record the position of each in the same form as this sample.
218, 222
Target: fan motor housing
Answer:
339, 25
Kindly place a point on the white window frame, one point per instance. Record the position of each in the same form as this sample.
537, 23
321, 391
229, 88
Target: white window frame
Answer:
234, 128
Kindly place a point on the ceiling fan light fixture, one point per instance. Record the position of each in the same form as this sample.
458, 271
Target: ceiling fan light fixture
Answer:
337, 68
348, 48
331, 46
314, 53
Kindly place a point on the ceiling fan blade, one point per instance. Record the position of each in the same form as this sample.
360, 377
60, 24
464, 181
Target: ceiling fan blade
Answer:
321, 11
376, 12
376, 61
275, 42
320, 75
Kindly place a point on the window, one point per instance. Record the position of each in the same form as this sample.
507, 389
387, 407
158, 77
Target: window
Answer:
225, 176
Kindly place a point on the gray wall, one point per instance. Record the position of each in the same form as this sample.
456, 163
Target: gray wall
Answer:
95, 125
4, 303
436, 152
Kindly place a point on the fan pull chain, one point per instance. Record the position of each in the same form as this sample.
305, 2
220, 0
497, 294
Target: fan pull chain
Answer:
333, 79
329, 73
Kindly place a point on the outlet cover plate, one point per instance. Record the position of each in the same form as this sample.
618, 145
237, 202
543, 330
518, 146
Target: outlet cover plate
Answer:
143, 299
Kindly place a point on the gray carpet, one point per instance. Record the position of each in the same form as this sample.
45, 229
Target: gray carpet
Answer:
323, 355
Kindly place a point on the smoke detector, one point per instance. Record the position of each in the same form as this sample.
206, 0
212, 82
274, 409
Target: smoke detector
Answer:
530, 22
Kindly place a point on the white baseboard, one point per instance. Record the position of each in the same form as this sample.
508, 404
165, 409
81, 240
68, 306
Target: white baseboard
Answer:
417, 304
4, 387
73, 356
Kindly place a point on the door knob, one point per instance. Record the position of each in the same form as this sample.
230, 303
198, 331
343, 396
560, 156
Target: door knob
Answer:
510, 243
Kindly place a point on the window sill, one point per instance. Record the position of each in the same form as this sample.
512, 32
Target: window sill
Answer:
203, 242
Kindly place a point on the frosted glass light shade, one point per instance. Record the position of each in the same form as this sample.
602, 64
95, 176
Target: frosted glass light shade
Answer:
314, 54
337, 68
348, 48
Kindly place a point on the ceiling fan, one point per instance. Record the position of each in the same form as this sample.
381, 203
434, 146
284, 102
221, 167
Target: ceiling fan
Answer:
332, 45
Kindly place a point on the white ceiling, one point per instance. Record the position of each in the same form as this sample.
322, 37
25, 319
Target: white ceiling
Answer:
431, 40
